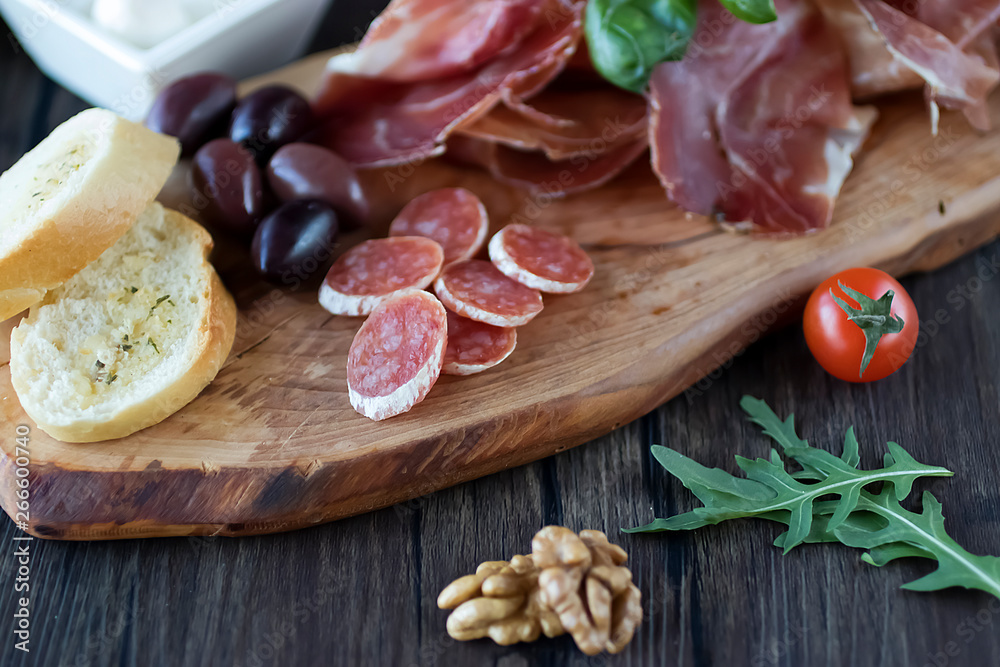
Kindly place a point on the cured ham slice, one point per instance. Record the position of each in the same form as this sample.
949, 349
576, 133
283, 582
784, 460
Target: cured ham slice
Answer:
417, 40
380, 122
756, 126
566, 123
935, 43
874, 70
534, 171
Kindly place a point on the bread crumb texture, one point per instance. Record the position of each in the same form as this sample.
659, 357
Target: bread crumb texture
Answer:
119, 330
45, 178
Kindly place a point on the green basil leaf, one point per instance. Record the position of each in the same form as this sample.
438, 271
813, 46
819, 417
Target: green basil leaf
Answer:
628, 38
752, 11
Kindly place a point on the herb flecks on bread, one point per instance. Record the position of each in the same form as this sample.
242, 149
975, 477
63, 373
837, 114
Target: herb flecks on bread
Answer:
130, 339
71, 197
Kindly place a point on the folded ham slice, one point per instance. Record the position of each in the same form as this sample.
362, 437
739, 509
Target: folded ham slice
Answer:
755, 125
948, 44
535, 172
418, 40
564, 123
874, 70
378, 120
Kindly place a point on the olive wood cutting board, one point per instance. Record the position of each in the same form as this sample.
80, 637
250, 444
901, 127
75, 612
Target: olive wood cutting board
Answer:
273, 444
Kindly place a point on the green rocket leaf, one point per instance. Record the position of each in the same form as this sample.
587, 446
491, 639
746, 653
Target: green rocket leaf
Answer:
770, 488
924, 531
856, 516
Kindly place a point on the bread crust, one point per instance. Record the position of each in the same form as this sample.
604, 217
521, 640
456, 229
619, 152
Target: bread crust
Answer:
216, 329
5, 328
117, 189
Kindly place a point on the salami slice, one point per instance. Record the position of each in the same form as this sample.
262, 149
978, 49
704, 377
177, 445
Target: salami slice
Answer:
541, 259
454, 217
473, 346
368, 273
477, 290
397, 354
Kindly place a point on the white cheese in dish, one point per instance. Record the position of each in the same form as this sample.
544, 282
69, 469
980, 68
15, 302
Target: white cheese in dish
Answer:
140, 22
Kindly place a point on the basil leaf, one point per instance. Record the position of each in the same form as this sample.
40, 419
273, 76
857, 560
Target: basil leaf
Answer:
752, 11
628, 38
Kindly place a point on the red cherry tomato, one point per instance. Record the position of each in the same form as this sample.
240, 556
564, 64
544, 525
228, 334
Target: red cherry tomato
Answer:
838, 343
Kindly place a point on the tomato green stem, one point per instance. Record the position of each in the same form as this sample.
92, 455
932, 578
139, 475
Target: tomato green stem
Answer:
874, 318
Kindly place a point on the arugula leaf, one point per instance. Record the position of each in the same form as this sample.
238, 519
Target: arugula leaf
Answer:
889, 532
770, 488
857, 518
628, 38
956, 566
752, 11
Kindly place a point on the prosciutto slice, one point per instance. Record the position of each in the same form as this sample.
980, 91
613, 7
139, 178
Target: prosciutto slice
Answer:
376, 122
417, 40
874, 70
535, 172
948, 44
565, 123
755, 125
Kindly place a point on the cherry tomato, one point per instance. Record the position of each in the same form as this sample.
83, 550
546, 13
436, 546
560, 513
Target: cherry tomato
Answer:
839, 342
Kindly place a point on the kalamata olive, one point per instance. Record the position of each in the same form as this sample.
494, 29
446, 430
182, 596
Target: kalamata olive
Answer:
228, 188
304, 171
268, 118
194, 109
294, 243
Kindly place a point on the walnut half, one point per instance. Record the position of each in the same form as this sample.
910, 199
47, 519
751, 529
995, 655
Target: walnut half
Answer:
569, 583
584, 581
499, 601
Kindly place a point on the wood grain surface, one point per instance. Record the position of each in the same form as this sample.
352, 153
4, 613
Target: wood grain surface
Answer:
361, 591
273, 443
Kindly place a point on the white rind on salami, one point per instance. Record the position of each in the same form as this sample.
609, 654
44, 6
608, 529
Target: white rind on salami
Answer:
372, 271
541, 259
477, 290
396, 356
454, 217
474, 347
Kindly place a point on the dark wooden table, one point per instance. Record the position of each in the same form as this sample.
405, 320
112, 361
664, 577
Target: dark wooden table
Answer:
362, 591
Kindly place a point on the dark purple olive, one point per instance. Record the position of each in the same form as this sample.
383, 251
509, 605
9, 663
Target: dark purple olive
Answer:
228, 188
194, 109
294, 243
268, 118
304, 171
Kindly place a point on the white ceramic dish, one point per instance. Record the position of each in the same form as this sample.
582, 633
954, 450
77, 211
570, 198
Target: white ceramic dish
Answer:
238, 37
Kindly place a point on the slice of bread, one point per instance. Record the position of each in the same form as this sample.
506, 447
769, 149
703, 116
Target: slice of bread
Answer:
71, 197
130, 339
